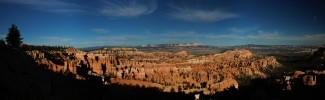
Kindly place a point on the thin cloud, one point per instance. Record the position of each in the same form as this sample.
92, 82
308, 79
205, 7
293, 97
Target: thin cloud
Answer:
189, 34
247, 34
200, 15
265, 35
181, 37
56, 39
129, 8
224, 36
316, 36
248, 37
274, 37
237, 33
49, 5
100, 30
305, 39
256, 37
235, 30
316, 39
119, 40
51, 40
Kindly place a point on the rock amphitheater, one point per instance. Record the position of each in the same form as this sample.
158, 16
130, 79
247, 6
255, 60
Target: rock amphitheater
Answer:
168, 71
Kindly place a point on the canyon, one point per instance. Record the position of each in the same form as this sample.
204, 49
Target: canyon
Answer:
167, 71
178, 72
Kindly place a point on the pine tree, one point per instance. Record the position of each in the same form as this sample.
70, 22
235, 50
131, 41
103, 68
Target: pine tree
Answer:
13, 37
2, 43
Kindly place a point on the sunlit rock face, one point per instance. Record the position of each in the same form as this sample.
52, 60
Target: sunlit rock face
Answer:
169, 71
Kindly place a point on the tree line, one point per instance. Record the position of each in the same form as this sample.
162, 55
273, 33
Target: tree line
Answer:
26, 47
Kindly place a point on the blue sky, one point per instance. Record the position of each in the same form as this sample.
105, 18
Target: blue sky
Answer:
84, 23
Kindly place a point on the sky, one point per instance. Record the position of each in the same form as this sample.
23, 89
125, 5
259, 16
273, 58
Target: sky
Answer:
86, 23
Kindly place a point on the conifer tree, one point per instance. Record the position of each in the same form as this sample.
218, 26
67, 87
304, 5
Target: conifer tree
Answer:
13, 37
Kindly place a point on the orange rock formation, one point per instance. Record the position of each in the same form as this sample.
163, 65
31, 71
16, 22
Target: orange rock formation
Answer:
178, 71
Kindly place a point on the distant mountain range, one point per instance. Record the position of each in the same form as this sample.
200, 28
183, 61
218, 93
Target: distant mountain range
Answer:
172, 45
247, 46
149, 45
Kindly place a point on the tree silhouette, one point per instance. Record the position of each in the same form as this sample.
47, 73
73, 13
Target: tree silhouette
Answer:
103, 68
83, 69
2, 43
96, 58
13, 37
